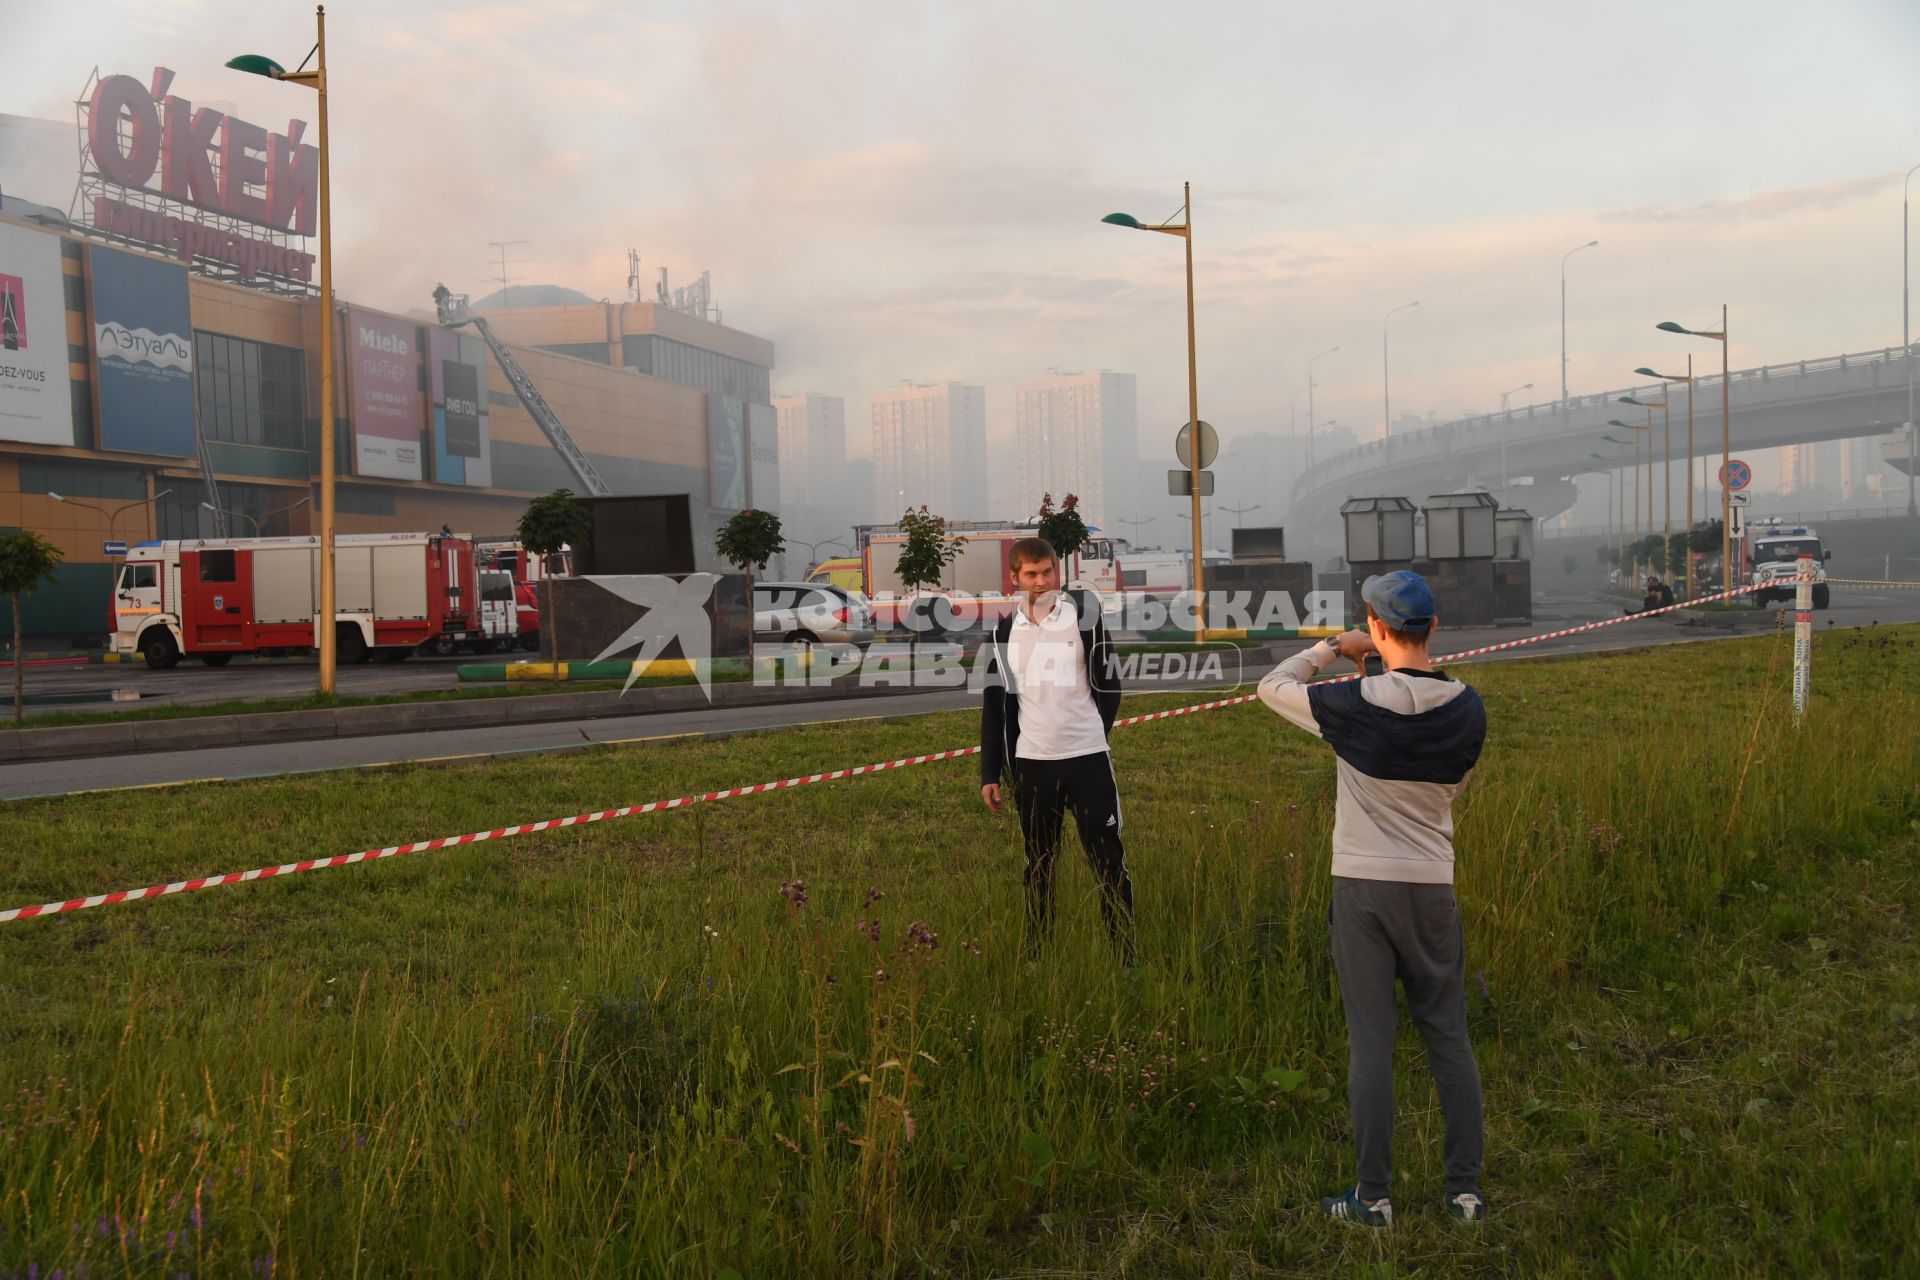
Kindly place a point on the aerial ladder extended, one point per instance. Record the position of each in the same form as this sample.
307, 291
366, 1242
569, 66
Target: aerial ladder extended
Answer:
454, 312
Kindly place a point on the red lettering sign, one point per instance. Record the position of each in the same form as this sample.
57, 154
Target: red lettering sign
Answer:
201, 156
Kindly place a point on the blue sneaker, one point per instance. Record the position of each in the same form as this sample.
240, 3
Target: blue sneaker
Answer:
1349, 1207
1466, 1206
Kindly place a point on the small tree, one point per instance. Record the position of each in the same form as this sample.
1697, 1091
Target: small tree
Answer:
927, 552
27, 562
1063, 530
748, 541
550, 525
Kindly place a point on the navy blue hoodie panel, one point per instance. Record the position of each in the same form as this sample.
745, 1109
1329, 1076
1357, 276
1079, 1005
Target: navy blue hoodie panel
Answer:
1441, 745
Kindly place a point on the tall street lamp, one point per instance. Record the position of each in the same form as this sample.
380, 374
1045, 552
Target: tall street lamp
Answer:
1386, 372
1184, 229
1666, 473
257, 521
1310, 420
1612, 525
1620, 461
1563, 314
1726, 435
112, 514
1504, 397
1688, 379
1906, 338
1239, 511
259, 65
1637, 429
1134, 526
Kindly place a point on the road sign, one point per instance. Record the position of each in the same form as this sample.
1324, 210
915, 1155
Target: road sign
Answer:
1740, 499
113, 548
1735, 475
1180, 484
1737, 525
1209, 444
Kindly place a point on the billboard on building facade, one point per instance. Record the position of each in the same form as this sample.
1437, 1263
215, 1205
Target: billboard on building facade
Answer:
763, 446
143, 342
384, 366
726, 453
462, 436
36, 392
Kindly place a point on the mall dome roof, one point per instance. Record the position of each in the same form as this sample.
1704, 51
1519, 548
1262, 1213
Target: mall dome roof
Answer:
532, 295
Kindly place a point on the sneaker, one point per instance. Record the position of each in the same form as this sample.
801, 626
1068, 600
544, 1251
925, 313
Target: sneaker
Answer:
1349, 1207
1466, 1206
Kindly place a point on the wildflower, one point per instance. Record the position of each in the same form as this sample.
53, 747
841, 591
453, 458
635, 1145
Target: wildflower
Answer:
794, 892
873, 896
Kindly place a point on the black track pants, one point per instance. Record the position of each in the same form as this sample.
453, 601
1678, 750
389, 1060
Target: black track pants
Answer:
1043, 790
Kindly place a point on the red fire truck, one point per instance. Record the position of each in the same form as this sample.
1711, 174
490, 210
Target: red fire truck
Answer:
210, 598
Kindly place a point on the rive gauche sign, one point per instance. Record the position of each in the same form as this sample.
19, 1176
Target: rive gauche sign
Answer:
144, 138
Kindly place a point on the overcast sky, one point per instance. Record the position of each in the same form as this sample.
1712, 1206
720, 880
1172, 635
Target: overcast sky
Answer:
890, 189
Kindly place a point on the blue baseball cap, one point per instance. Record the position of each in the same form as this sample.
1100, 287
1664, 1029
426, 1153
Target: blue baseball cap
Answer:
1401, 599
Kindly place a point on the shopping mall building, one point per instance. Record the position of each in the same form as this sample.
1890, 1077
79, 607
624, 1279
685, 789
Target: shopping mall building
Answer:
160, 372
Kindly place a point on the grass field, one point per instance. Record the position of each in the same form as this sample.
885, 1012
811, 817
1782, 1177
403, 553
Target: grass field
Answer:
635, 1048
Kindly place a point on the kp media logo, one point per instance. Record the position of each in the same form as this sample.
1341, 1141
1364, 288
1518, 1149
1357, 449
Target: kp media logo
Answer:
13, 313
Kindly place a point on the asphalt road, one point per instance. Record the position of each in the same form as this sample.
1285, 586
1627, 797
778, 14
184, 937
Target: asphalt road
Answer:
1855, 607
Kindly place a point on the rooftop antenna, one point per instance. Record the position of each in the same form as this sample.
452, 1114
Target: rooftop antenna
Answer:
501, 247
633, 276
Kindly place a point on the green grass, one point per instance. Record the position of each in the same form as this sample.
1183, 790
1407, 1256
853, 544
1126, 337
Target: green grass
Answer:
619, 1050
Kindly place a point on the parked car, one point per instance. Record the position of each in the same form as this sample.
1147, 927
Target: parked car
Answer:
810, 613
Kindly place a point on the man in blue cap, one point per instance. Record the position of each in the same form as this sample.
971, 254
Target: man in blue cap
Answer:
1406, 742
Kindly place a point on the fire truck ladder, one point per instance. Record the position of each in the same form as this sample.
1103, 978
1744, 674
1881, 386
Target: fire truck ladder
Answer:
454, 312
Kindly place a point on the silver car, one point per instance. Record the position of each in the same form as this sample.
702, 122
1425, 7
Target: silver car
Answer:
809, 613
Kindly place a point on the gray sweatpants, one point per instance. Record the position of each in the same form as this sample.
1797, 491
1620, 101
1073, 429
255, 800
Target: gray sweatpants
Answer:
1383, 930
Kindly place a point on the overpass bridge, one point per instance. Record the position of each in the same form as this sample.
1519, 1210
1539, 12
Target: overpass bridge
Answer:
1528, 457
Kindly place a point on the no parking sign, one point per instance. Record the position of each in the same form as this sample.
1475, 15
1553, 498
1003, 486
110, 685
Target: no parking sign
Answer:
1735, 475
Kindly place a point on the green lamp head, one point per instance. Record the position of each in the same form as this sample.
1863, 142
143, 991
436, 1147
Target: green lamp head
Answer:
1645, 372
1668, 326
1123, 220
257, 64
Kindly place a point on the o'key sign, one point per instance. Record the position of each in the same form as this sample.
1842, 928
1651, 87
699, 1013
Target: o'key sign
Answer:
1735, 475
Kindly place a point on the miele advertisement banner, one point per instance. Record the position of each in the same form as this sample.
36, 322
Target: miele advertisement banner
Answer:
384, 362
36, 392
143, 340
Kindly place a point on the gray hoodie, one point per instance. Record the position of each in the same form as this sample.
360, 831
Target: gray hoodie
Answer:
1406, 743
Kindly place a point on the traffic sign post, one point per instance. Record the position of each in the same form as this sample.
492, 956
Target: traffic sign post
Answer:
1180, 484
1735, 475
1209, 444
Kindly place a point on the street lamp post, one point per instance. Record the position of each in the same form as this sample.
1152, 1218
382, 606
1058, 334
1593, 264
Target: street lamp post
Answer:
1726, 435
1613, 527
1386, 372
1504, 397
1906, 337
258, 521
1563, 314
259, 65
1239, 511
1637, 468
1310, 419
1666, 472
1184, 229
1135, 526
112, 515
1688, 379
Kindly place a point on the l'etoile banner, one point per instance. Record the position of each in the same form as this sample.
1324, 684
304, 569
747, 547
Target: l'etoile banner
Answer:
144, 138
384, 364
36, 392
143, 340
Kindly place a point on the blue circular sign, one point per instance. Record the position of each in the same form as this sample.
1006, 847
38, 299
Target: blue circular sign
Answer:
1736, 475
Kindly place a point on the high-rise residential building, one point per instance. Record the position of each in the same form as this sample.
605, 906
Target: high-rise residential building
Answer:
930, 449
1811, 469
1864, 476
813, 448
1076, 433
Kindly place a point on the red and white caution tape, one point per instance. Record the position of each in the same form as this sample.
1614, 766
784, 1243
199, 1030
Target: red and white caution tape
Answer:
1867, 582
682, 802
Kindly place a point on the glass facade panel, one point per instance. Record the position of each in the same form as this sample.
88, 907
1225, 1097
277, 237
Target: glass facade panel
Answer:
249, 392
